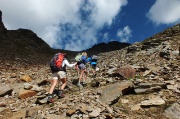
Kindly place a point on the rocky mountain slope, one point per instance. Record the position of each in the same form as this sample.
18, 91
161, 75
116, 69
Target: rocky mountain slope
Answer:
137, 82
22, 44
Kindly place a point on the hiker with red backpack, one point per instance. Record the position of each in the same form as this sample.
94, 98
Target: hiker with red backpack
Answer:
58, 67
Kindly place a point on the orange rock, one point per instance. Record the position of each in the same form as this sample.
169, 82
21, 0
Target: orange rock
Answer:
23, 94
26, 78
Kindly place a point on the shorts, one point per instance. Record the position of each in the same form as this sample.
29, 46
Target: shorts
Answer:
82, 66
93, 66
59, 75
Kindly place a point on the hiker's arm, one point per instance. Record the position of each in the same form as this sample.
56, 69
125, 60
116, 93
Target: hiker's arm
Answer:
68, 64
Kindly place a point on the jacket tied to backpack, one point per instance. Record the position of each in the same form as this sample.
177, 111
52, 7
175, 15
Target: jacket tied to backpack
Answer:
84, 60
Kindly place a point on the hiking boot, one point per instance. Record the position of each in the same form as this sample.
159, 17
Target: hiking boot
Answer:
83, 83
50, 98
79, 85
60, 94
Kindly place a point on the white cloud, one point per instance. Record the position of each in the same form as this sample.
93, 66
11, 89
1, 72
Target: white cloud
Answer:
105, 10
124, 34
49, 19
165, 12
105, 37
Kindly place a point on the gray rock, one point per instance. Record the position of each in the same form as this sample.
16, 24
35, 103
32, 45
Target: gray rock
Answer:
96, 112
113, 92
5, 90
173, 112
153, 101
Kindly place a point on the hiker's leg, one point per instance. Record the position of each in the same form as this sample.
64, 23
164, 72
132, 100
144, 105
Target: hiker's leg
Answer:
77, 69
53, 85
91, 68
81, 68
83, 82
85, 74
50, 95
84, 77
54, 82
94, 69
81, 75
62, 77
60, 92
63, 83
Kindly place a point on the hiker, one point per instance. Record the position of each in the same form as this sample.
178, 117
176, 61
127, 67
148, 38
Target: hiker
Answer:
59, 75
93, 63
82, 67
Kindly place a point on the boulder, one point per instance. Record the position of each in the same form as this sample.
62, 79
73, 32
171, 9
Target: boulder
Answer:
111, 93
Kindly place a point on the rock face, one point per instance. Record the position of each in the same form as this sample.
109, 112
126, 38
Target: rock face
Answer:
137, 82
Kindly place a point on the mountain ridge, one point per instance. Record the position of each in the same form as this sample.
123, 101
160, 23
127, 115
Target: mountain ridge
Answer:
25, 44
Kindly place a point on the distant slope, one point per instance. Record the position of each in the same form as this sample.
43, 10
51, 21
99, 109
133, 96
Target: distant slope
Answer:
106, 47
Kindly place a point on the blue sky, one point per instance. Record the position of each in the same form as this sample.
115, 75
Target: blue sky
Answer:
79, 24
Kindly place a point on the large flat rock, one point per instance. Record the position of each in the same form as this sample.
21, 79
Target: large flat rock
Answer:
5, 89
111, 93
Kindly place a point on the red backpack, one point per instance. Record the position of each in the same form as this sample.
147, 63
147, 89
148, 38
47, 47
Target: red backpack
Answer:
56, 62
